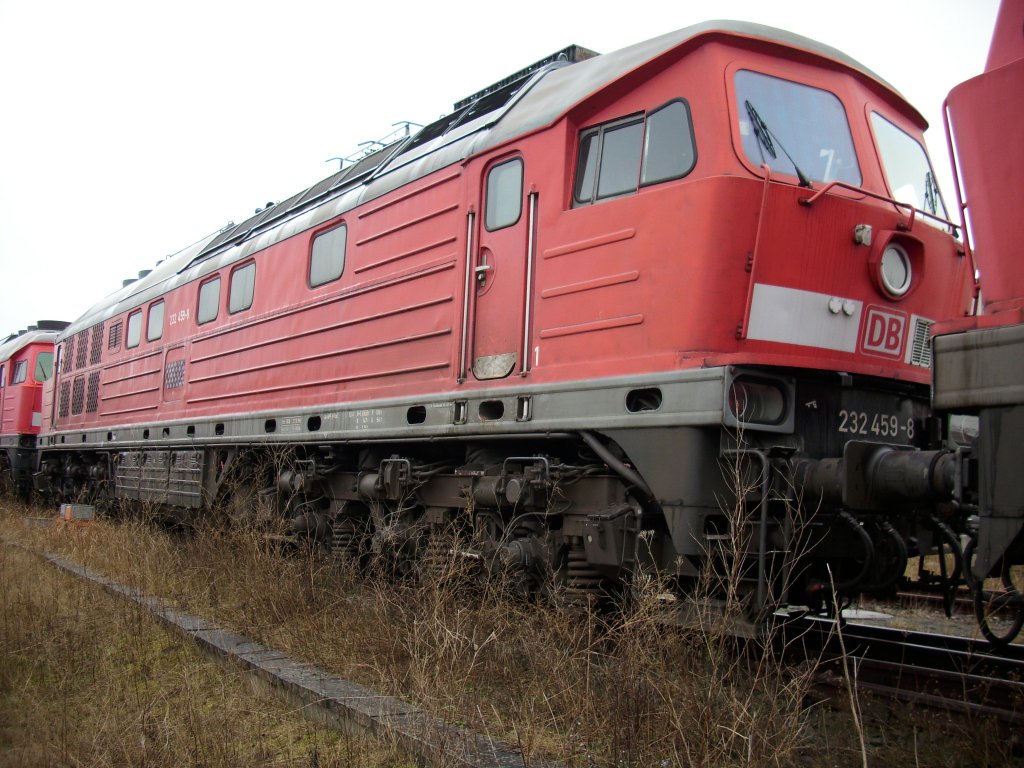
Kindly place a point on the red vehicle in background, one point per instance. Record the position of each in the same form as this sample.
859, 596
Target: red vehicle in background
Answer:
26, 363
979, 360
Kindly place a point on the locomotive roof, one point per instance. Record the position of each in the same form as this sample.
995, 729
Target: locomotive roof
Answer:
45, 330
527, 101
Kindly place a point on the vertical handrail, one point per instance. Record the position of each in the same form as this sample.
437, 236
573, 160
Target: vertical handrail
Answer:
961, 204
741, 332
531, 237
470, 218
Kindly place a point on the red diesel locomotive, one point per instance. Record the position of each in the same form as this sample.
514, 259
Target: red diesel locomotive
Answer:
664, 308
26, 362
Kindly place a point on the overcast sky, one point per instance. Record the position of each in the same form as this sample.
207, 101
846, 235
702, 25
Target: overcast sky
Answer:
130, 129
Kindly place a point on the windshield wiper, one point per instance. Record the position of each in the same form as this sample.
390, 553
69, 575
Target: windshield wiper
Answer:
764, 136
931, 194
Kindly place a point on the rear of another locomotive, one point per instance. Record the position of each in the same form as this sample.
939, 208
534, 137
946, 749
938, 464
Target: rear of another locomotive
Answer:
788, 275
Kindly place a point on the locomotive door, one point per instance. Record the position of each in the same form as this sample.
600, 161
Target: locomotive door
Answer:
500, 273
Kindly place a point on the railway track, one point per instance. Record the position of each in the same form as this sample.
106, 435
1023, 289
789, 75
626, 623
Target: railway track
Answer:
940, 671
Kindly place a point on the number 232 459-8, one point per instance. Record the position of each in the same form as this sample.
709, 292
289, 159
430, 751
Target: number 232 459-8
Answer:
876, 424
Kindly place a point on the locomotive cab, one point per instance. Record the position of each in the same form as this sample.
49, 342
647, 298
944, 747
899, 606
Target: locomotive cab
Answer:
26, 363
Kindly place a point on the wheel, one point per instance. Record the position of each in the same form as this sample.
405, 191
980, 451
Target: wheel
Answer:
1000, 612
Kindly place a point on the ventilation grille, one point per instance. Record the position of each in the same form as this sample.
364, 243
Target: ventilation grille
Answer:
81, 349
65, 399
96, 348
92, 400
68, 355
78, 396
114, 339
174, 374
919, 351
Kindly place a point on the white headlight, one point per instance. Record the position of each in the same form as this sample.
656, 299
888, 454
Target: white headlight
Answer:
895, 270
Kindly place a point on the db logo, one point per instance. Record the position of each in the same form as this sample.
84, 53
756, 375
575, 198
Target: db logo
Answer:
883, 332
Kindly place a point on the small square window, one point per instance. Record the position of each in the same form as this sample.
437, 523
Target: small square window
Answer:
134, 335
243, 284
155, 324
209, 301
327, 261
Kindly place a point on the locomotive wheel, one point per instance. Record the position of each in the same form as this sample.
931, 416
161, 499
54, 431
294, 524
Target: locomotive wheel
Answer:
1000, 613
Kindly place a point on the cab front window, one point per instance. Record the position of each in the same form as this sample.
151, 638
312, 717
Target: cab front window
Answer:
907, 169
794, 129
44, 367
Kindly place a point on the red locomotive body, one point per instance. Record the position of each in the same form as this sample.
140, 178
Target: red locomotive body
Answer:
26, 362
594, 281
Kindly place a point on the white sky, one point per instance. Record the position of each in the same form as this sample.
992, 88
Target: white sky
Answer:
130, 129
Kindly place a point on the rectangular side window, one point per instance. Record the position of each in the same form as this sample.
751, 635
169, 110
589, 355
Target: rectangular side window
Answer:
3, 381
209, 301
668, 144
327, 259
20, 372
155, 323
619, 157
620, 160
504, 195
134, 335
243, 284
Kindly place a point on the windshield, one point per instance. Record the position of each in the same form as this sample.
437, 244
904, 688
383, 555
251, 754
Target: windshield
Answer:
790, 126
44, 367
907, 169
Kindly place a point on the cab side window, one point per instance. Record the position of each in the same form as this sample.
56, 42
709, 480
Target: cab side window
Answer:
20, 372
619, 157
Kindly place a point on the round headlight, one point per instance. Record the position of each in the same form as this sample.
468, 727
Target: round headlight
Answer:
895, 270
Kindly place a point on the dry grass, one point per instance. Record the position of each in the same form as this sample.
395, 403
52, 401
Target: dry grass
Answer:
87, 679
569, 685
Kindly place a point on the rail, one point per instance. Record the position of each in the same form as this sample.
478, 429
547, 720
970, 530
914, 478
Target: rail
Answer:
945, 672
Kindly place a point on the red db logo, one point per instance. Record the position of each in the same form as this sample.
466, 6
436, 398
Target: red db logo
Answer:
883, 332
